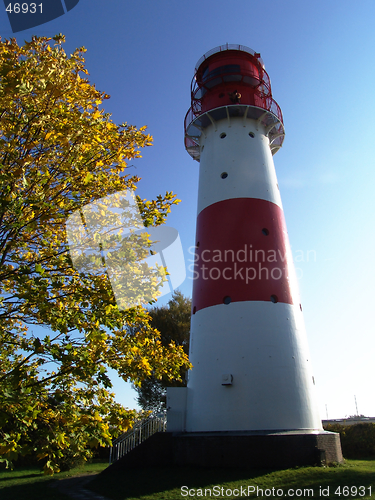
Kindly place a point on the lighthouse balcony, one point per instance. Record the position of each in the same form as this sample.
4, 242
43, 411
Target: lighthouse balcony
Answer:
269, 116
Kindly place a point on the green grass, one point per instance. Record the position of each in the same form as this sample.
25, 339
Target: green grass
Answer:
28, 483
161, 483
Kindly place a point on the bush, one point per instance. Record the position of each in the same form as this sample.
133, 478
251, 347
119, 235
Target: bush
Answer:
357, 441
70, 460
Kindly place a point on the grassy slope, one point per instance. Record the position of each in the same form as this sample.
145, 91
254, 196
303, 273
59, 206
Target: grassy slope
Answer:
165, 484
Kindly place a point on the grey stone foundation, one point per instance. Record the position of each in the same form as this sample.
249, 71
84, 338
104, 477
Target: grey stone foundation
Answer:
239, 450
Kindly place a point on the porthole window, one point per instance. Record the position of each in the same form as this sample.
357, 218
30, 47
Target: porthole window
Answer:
194, 309
223, 135
265, 231
252, 135
224, 175
274, 299
227, 300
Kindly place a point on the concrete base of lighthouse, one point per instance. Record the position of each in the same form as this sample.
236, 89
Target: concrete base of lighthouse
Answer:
278, 450
250, 450
245, 448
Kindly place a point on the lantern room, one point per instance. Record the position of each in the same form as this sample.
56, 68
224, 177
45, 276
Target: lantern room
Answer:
231, 81
231, 77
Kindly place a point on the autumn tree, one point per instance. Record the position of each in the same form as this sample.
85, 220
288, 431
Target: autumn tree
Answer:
173, 322
59, 152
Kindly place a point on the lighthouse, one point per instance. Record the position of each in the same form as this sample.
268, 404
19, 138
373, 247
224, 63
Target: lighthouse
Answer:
252, 375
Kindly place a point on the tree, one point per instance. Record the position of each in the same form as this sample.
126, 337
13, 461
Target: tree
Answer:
173, 322
58, 153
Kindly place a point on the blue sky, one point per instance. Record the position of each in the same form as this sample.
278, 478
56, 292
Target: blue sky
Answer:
320, 57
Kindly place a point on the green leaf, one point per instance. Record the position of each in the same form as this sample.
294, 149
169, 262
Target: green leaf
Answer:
39, 269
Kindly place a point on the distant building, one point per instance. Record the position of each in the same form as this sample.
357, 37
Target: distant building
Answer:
349, 421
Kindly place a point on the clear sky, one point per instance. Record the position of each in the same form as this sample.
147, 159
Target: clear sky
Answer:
321, 59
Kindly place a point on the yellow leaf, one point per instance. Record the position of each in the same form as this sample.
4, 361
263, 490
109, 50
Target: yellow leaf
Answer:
88, 178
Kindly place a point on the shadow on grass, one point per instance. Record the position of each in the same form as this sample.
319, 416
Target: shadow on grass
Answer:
165, 482
137, 482
41, 490
26, 476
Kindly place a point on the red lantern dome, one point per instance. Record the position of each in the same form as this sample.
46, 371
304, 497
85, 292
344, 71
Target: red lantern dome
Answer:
230, 80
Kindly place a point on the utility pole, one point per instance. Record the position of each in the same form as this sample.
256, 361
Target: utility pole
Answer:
356, 406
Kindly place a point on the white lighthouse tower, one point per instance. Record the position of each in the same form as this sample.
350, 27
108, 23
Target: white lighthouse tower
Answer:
251, 370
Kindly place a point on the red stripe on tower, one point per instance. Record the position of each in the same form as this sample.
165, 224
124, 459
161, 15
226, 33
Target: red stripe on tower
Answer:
242, 253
